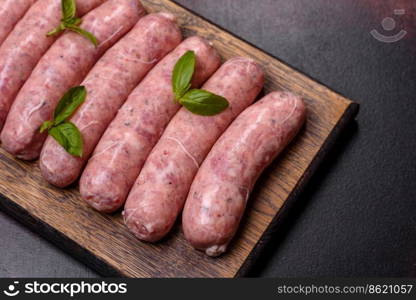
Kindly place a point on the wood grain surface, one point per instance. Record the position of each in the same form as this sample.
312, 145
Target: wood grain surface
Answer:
102, 241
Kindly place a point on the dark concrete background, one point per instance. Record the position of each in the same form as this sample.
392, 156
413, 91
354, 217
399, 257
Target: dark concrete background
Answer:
358, 215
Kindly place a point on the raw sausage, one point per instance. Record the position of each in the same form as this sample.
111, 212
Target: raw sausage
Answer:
11, 11
220, 191
160, 191
108, 84
127, 142
26, 44
64, 65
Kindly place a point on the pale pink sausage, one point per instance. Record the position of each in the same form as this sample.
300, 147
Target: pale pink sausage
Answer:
11, 11
125, 145
160, 191
108, 84
64, 65
219, 193
25, 45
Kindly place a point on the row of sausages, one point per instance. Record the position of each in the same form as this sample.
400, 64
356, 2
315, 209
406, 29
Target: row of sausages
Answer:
141, 149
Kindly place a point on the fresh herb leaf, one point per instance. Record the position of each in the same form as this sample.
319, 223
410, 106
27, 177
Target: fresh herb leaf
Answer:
73, 21
59, 137
69, 137
83, 32
46, 126
69, 9
197, 101
203, 103
69, 104
57, 30
182, 74
63, 131
70, 22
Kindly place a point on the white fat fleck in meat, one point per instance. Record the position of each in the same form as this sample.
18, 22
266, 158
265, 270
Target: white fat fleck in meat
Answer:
118, 146
103, 77
90, 124
34, 109
117, 150
111, 36
295, 105
49, 165
37, 22
216, 189
123, 56
250, 63
129, 213
182, 147
108, 148
148, 226
205, 218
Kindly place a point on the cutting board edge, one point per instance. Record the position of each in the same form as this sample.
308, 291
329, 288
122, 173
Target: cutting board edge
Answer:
74, 249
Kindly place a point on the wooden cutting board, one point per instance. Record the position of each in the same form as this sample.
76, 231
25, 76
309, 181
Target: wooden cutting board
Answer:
102, 242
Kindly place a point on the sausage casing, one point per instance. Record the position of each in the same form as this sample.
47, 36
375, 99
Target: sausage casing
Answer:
64, 65
219, 193
160, 191
125, 145
25, 45
108, 85
11, 11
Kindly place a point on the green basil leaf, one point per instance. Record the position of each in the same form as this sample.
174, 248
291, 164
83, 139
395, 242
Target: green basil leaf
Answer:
63, 131
82, 32
182, 74
46, 126
203, 103
57, 30
72, 21
69, 9
69, 104
69, 137
58, 136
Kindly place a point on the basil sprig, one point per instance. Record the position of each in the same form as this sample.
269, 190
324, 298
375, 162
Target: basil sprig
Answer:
62, 130
203, 103
197, 101
69, 21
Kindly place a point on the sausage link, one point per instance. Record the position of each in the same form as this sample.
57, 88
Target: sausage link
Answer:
25, 45
160, 191
11, 11
219, 193
108, 84
64, 65
125, 145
